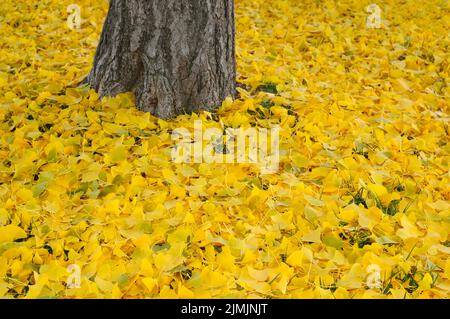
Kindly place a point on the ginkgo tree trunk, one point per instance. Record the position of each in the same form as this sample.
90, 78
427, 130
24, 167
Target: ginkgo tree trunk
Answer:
176, 56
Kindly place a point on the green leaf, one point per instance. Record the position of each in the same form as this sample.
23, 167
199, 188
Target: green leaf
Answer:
160, 247
332, 241
52, 156
39, 188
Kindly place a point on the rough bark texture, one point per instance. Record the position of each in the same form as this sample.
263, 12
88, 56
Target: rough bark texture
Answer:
176, 56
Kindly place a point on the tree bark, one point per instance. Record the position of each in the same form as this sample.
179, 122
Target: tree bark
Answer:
176, 56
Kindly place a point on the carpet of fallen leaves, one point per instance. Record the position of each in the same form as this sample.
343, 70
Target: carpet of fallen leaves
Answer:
363, 186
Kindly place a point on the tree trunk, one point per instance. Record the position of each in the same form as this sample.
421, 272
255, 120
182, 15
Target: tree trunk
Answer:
176, 56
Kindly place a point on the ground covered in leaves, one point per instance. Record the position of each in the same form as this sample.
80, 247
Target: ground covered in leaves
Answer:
363, 186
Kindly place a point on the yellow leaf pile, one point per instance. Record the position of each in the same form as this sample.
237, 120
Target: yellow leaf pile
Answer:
359, 208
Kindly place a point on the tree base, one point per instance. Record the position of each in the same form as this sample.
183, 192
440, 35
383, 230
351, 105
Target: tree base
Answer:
176, 56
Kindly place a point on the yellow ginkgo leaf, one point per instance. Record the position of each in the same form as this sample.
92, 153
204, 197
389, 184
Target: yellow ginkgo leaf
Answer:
295, 259
10, 233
